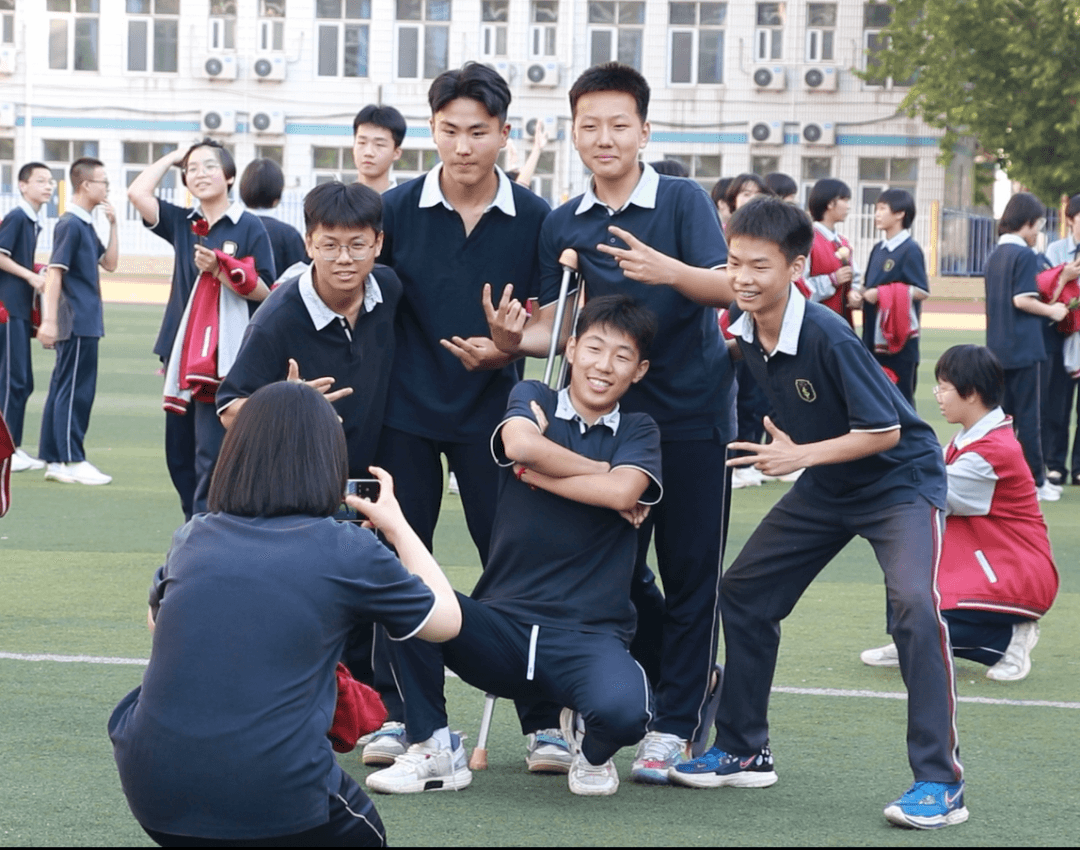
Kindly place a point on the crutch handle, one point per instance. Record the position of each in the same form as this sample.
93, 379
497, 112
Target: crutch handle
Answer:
568, 259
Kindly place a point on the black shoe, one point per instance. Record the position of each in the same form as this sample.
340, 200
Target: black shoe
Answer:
1058, 478
1076, 480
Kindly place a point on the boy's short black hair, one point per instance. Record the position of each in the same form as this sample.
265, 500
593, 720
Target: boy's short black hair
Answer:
342, 205
621, 313
783, 185
774, 220
671, 167
824, 192
612, 76
27, 171
386, 117
1022, 209
474, 81
261, 184
737, 183
1071, 209
82, 170
899, 200
284, 455
719, 190
228, 164
973, 369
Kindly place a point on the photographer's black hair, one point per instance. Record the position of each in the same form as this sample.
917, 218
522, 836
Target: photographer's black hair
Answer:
283, 455
621, 313
774, 220
386, 117
719, 190
228, 164
973, 369
737, 183
27, 171
783, 185
671, 167
614, 77
261, 184
824, 192
1023, 208
899, 200
342, 205
475, 81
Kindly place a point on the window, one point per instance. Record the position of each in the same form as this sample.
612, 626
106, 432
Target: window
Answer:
271, 24
493, 14
878, 174
342, 39
545, 16
764, 164
7, 21
616, 32
333, 164
73, 34
274, 152
153, 35
821, 32
414, 162
58, 154
138, 155
7, 165
769, 34
876, 16
423, 38
814, 168
222, 25
705, 169
696, 42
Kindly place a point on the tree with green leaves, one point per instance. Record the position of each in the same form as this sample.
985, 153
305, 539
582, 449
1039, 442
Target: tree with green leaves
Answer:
1006, 72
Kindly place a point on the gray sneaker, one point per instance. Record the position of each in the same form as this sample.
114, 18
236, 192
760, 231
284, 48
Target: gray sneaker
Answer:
548, 752
584, 778
882, 656
424, 767
385, 744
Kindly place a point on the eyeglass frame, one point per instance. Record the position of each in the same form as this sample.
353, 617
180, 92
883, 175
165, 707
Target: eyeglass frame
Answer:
322, 250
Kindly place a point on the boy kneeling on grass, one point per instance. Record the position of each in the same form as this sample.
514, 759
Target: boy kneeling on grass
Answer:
873, 469
551, 619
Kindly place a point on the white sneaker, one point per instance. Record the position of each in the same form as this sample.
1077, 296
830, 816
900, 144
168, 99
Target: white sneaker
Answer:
549, 752
452, 485
1015, 664
883, 656
424, 767
21, 462
82, 472
1048, 492
657, 753
385, 744
745, 476
584, 778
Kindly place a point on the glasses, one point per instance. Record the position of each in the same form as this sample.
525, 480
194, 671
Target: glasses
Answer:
330, 251
939, 390
205, 168
105, 183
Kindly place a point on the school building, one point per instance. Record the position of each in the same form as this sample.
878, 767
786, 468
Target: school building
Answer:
736, 86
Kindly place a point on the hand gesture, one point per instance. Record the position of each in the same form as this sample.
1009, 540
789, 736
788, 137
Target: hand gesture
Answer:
476, 352
540, 136
638, 262
541, 417
321, 384
110, 213
777, 458
206, 260
507, 323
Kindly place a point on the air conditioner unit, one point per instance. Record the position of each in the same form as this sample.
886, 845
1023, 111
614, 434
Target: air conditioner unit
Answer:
270, 66
270, 121
7, 114
765, 133
221, 121
818, 133
543, 74
220, 66
505, 69
550, 125
7, 60
770, 78
820, 78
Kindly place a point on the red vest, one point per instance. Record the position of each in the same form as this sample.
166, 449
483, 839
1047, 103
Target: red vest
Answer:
1002, 561
823, 260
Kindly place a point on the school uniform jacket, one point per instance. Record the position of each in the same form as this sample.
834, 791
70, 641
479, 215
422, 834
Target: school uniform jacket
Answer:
824, 264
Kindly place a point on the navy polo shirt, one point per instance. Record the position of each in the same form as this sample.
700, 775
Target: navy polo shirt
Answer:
687, 386
286, 243
894, 260
822, 383
559, 563
1014, 336
226, 737
18, 239
294, 322
443, 272
237, 233
78, 250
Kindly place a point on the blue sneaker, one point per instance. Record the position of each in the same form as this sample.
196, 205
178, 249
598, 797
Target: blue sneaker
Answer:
716, 768
929, 805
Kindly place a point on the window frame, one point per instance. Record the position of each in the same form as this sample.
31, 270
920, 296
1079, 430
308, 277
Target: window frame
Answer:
152, 20
71, 20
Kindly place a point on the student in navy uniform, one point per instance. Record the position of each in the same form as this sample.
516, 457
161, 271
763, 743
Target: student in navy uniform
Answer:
895, 259
208, 172
73, 273
226, 738
378, 131
873, 470
261, 186
550, 618
658, 239
1014, 319
18, 283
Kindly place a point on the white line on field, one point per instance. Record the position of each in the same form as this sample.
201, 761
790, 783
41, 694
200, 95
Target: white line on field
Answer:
814, 692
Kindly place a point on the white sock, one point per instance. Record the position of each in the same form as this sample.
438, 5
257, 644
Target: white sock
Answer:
442, 738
